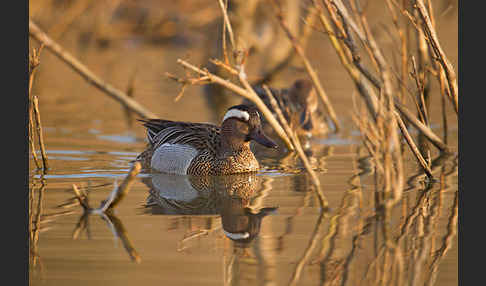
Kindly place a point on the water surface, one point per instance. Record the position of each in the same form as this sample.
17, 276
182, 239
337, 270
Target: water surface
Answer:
264, 229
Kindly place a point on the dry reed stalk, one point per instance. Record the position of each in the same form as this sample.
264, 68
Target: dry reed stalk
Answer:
362, 85
364, 38
40, 137
310, 70
105, 212
81, 197
125, 186
118, 193
303, 40
34, 61
366, 130
227, 26
223, 35
298, 147
390, 145
414, 148
421, 76
433, 41
243, 80
87, 74
443, 106
379, 107
403, 35
434, 139
421, 108
31, 139
246, 94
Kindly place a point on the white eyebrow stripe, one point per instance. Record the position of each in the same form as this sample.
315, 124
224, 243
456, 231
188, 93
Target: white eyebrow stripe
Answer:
237, 113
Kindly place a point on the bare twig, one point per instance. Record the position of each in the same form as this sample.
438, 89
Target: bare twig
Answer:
413, 147
35, 102
363, 86
312, 73
227, 24
87, 74
118, 193
31, 140
369, 96
422, 110
439, 53
126, 184
34, 61
434, 139
81, 197
298, 147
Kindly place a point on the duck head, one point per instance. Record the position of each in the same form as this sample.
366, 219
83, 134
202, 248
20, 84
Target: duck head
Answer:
241, 124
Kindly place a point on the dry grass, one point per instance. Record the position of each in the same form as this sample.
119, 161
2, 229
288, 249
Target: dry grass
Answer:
35, 125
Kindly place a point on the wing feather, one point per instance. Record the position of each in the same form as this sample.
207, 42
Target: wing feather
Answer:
201, 136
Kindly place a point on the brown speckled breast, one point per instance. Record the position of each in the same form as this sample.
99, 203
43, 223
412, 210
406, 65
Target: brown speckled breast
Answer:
240, 162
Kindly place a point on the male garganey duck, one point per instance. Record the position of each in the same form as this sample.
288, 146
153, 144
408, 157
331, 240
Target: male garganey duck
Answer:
205, 149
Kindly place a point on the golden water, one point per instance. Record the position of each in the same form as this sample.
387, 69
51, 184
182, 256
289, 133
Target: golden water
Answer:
180, 239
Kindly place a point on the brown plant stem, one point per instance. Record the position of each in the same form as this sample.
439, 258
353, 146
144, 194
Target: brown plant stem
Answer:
125, 186
87, 74
413, 147
39, 132
433, 40
434, 139
34, 61
298, 148
310, 70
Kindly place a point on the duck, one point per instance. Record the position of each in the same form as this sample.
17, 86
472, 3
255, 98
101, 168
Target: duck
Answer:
201, 149
300, 107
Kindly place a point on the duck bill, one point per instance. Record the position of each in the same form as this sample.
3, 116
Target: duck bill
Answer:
262, 139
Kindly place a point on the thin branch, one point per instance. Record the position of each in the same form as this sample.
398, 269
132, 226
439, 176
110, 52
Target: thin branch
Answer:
436, 47
434, 139
35, 102
87, 74
227, 24
298, 147
413, 147
310, 70
125, 186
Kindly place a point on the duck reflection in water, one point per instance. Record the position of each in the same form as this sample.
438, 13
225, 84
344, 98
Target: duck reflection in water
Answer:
232, 197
